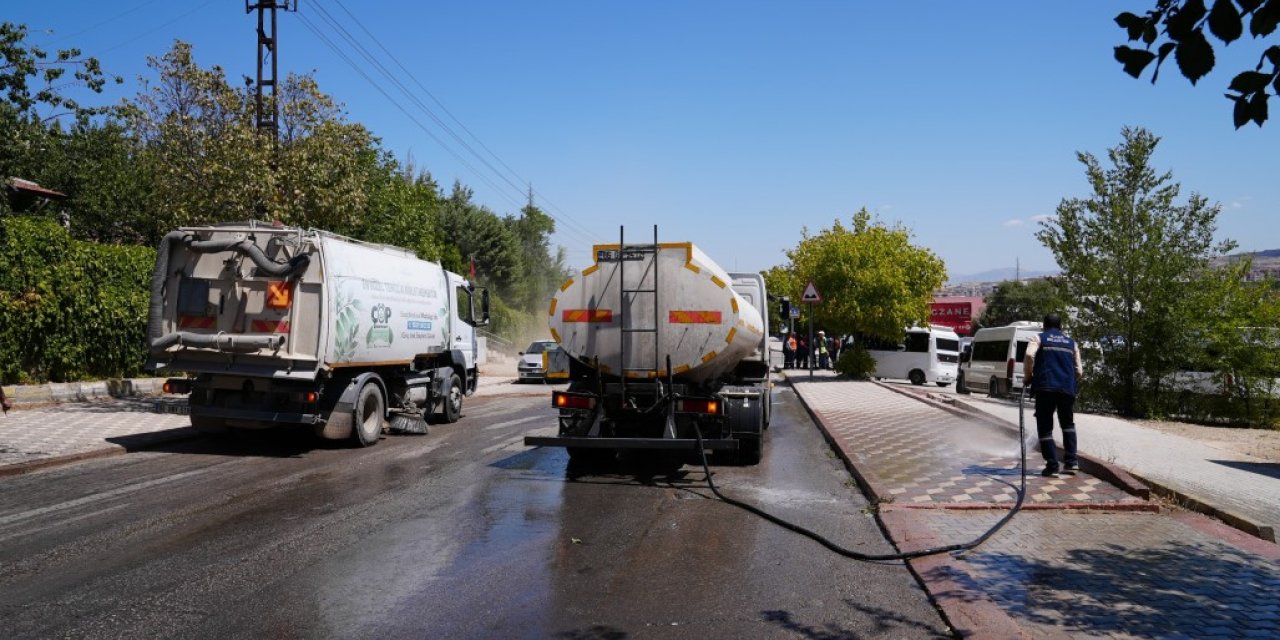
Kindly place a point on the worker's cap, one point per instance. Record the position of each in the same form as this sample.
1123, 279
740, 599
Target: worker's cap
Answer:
822, 333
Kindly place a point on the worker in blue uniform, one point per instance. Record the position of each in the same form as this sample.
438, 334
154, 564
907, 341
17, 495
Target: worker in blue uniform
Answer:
1053, 367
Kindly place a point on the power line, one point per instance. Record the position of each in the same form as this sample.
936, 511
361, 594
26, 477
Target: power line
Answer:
342, 54
158, 28
464, 127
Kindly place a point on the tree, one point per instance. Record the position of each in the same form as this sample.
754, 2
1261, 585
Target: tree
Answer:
23, 65
1136, 265
542, 272
210, 163
1013, 300
1178, 27
873, 281
34, 96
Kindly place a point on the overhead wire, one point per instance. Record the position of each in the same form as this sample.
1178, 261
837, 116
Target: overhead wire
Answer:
157, 28
564, 217
355, 45
378, 87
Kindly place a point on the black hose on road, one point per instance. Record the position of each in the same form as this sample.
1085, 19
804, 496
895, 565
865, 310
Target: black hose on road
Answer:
885, 557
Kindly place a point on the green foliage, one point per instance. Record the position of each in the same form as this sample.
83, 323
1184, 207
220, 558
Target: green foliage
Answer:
69, 309
1179, 27
855, 362
1013, 300
873, 281
1136, 269
32, 84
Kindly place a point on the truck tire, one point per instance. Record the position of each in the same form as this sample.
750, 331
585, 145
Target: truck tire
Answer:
370, 413
451, 404
749, 449
916, 377
960, 388
209, 426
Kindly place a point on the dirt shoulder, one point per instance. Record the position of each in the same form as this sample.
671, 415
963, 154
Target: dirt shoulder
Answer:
1259, 443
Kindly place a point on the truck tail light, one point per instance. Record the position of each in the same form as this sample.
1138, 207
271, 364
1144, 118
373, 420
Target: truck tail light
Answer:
698, 405
562, 400
1009, 372
177, 385
307, 397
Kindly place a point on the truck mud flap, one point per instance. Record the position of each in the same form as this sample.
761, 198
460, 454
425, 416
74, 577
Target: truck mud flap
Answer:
688, 444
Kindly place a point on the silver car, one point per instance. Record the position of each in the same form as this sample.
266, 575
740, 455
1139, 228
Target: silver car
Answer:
532, 366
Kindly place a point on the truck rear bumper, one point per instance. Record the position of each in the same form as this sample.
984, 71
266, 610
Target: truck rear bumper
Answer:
688, 444
280, 417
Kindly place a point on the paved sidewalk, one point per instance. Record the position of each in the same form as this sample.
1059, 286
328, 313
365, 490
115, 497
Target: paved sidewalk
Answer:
1239, 488
51, 434
1097, 563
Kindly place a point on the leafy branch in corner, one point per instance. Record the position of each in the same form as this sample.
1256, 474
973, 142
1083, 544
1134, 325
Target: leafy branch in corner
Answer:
1178, 27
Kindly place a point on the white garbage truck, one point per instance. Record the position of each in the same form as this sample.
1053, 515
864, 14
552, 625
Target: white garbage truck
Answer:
664, 348
277, 325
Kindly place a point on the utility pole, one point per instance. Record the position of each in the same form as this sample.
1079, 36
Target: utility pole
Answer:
267, 54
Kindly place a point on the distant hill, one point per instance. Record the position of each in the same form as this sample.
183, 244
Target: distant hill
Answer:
998, 275
1268, 259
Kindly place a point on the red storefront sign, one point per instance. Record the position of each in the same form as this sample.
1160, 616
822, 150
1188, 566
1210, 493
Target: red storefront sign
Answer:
956, 315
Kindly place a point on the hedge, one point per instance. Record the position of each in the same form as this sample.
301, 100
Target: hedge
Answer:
69, 310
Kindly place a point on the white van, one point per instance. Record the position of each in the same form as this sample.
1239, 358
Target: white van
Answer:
925, 355
993, 364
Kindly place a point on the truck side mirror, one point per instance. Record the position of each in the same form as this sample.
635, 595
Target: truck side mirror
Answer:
484, 306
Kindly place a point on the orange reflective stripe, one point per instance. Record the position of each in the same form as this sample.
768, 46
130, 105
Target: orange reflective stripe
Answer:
269, 326
693, 317
196, 322
587, 315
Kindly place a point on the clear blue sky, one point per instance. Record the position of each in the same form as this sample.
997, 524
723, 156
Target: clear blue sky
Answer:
735, 124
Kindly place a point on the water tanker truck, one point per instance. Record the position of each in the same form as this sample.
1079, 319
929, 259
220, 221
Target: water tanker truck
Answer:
663, 346
285, 326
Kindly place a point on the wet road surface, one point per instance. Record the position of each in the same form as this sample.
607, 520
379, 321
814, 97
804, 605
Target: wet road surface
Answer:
461, 533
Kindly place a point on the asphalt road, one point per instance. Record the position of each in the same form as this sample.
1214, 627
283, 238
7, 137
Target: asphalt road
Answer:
461, 533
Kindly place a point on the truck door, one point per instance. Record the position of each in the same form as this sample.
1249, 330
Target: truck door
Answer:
469, 308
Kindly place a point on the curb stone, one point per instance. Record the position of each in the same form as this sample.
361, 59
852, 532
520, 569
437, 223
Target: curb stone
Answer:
968, 613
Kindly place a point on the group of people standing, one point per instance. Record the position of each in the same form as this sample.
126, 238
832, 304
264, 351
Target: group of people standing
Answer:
799, 353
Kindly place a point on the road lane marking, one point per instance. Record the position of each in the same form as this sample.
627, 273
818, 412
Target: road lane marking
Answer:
512, 423
97, 497
505, 444
65, 521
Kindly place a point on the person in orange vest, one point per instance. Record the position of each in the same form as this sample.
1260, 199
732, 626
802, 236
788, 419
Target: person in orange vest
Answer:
789, 352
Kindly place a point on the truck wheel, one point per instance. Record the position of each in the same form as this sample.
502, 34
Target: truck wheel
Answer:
210, 426
960, 388
370, 411
749, 449
916, 377
452, 403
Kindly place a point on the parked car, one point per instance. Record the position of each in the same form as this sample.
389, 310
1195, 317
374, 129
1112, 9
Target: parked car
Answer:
533, 360
993, 364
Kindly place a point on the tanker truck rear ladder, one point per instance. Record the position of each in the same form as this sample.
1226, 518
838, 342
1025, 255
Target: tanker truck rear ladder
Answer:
628, 329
